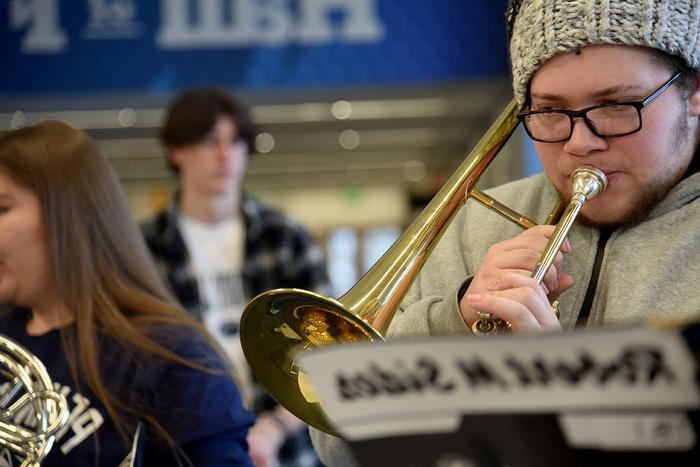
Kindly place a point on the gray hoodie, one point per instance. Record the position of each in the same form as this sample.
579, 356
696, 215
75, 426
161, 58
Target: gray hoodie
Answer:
647, 270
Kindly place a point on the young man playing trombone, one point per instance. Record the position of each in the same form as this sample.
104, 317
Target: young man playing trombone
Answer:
613, 85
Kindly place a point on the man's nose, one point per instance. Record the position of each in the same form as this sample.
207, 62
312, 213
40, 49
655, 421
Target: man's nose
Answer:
583, 140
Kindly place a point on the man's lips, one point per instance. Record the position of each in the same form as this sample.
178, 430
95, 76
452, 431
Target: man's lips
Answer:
608, 173
612, 175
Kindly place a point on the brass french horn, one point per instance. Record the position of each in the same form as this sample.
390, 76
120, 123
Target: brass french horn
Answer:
30, 391
279, 324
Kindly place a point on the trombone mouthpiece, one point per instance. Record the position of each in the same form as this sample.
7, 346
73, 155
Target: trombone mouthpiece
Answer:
588, 181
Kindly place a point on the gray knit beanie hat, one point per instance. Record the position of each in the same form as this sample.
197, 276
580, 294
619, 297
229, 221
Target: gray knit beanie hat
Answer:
540, 29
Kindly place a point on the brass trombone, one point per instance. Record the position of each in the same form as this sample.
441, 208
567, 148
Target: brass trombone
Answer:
278, 324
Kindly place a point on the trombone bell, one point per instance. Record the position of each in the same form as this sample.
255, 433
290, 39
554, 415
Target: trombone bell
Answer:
290, 321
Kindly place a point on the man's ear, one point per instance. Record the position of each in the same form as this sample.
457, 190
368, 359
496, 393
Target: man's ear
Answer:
694, 97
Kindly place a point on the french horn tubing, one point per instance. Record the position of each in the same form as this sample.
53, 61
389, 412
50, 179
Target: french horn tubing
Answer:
279, 324
30, 389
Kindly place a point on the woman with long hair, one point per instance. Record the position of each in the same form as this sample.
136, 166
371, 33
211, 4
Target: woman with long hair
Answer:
81, 293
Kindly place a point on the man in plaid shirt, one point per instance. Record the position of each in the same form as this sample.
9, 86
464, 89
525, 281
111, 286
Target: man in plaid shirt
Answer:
217, 247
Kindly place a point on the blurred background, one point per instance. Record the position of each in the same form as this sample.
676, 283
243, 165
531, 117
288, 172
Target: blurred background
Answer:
365, 106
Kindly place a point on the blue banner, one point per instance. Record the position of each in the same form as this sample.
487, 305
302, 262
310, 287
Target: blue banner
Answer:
54, 47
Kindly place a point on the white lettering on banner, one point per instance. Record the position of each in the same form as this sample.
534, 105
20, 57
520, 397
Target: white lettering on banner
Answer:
266, 22
361, 22
188, 24
40, 17
111, 19
104, 12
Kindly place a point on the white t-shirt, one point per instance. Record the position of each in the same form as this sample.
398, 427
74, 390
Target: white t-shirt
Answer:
217, 251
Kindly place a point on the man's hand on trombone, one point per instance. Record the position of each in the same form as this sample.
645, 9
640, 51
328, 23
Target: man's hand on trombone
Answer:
503, 286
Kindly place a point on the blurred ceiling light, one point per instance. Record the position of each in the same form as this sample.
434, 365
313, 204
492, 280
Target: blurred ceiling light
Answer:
415, 170
264, 143
349, 139
127, 117
341, 110
18, 120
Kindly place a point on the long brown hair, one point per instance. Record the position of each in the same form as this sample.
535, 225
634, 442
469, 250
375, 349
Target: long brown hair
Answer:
100, 263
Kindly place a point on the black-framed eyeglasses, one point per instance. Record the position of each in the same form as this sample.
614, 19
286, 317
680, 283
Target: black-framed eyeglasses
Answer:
604, 120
